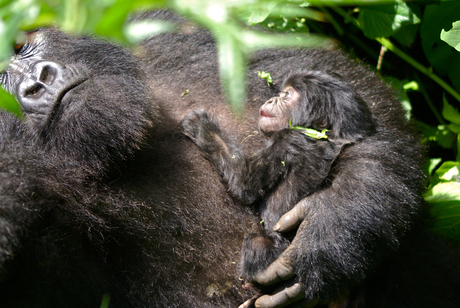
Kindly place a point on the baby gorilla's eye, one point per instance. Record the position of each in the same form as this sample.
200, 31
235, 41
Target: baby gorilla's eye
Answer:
284, 94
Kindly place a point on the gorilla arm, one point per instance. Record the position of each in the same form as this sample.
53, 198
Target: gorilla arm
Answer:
247, 179
347, 228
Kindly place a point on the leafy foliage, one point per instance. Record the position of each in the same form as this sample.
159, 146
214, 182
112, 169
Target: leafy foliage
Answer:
423, 64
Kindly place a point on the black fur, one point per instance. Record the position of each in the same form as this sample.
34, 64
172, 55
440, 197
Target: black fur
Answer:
109, 197
290, 165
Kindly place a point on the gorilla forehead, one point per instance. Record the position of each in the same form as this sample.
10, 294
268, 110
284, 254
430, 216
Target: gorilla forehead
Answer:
103, 57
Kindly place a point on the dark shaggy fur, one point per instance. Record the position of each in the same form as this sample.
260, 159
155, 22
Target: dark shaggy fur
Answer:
104, 195
290, 165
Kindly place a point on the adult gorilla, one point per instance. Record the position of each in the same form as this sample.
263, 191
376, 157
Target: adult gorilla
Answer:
100, 193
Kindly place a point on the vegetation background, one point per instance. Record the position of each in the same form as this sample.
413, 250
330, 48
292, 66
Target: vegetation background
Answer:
413, 45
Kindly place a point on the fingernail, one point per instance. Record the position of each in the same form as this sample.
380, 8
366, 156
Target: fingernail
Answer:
276, 227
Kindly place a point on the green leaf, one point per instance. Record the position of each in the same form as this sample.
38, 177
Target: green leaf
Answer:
232, 59
114, 17
310, 132
433, 163
452, 37
441, 56
444, 137
446, 166
13, 15
450, 113
7, 102
385, 20
458, 147
455, 128
443, 192
445, 173
266, 76
447, 219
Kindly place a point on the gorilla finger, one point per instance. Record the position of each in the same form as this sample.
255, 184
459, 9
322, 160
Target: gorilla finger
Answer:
287, 296
280, 269
291, 219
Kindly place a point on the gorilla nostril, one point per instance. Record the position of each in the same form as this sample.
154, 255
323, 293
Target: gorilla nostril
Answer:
47, 74
33, 90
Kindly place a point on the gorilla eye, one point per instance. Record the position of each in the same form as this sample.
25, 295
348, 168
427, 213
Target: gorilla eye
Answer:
18, 47
284, 94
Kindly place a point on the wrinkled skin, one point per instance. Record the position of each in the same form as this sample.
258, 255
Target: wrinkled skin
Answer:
277, 111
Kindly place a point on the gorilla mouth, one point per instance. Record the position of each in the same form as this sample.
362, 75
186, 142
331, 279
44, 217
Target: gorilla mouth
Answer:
57, 107
264, 114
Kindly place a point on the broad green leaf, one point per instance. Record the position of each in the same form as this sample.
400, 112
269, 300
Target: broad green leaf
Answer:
8, 103
433, 163
14, 14
444, 137
255, 13
458, 147
385, 20
445, 173
450, 113
443, 192
406, 35
446, 166
441, 56
452, 37
455, 128
447, 219
115, 16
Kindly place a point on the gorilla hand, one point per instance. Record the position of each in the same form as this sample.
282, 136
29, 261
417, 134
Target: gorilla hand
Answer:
283, 269
201, 128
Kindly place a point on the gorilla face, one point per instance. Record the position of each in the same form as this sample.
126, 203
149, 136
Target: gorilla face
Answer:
83, 97
277, 111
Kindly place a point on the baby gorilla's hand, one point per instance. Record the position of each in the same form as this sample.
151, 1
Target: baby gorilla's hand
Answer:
203, 130
193, 124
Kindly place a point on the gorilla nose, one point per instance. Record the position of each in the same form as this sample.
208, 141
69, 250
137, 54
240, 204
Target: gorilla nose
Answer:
40, 86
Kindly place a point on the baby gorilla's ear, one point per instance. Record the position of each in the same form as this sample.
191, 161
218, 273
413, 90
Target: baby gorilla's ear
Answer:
321, 124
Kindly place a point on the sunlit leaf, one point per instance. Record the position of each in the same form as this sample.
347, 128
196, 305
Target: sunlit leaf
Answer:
443, 192
440, 55
452, 37
385, 20
433, 163
450, 113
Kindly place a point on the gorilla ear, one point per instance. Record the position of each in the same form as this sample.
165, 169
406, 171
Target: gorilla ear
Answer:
321, 124
352, 119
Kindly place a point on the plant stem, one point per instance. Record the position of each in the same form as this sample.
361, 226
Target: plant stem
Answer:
425, 70
387, 44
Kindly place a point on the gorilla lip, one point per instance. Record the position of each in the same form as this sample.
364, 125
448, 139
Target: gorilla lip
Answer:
264, 114
60, 98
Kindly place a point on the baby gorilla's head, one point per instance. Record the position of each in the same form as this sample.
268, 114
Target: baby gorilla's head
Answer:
320, 101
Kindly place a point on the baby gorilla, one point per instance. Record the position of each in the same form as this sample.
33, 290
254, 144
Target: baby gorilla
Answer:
293, 163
